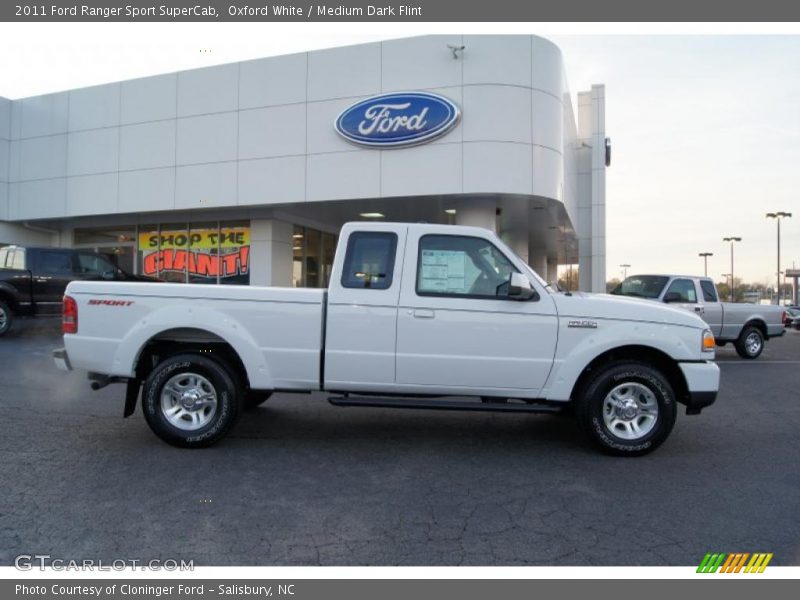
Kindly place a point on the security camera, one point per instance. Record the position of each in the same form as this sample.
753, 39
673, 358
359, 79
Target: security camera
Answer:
455, 49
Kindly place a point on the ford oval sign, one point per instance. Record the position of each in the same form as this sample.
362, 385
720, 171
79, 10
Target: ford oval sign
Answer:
398, 119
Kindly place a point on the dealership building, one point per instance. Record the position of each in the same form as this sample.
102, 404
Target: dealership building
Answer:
244, 172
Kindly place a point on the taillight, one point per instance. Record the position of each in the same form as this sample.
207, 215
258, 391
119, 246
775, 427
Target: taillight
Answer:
69, 323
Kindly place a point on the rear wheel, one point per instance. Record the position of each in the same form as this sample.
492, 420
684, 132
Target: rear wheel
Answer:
5, 318
190, 401
750, 343
627, 409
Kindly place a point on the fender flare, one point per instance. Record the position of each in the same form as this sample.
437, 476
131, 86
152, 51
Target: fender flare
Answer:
221, 325
568, 368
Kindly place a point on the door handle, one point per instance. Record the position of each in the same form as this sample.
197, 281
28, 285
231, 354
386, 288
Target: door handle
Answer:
424, 313
698, 309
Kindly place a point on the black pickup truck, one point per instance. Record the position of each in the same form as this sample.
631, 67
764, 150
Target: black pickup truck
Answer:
33, 280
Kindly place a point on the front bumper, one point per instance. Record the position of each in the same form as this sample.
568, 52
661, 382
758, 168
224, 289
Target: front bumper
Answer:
702, 383
61, 358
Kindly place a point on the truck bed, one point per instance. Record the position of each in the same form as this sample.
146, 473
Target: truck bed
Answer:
735, 315
278, 330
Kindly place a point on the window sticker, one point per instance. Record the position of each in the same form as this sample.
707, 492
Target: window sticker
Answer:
443, 271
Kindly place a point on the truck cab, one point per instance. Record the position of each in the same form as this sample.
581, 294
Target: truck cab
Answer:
423, 308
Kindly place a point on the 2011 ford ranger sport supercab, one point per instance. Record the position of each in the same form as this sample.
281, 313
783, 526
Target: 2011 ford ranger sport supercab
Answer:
416, 316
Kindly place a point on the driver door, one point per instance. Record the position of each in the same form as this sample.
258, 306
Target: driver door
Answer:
684, 293
457, 329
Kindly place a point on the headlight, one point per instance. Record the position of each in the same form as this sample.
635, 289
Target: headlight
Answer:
709, 344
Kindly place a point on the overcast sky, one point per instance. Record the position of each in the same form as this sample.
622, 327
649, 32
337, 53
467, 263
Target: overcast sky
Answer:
705, 128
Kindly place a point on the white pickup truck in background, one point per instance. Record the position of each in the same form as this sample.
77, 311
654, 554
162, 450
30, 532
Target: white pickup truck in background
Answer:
748, 326
416, 316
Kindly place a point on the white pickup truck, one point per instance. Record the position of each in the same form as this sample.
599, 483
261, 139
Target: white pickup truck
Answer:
747, 326
416, 316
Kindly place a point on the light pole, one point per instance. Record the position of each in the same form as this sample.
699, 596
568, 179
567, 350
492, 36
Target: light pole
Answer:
778, 216
705, 256
732, 240
625, 271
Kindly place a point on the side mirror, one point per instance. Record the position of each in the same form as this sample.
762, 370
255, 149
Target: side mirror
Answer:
519, 287
673, 297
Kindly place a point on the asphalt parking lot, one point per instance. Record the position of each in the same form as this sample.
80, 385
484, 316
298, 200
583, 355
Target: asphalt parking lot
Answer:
300, 482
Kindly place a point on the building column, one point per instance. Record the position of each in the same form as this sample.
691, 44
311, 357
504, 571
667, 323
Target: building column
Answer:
591, 161
270, 252
518, 241
477, 212
552, 269
538, 263
66, 237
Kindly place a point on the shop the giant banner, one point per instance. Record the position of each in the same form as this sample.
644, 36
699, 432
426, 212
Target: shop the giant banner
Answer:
208, 253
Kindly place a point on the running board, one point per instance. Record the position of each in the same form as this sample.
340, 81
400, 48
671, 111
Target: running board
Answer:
423, 403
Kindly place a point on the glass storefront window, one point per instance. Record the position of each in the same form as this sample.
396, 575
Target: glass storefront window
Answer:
234, 253
110, 236
203, 256
328, 250
164, 252
297, 257
211, 252
147, 249
312, 257
117, 243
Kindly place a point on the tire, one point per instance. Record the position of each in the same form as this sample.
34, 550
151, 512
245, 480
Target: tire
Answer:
6, 318
750, 344
601, 409
255, 398
202, 407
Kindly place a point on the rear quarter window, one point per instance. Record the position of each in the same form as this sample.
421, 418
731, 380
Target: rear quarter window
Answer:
709, 291
18, 262
369, 260
12, 258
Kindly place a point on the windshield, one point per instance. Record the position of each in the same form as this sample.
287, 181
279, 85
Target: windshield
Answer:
641, 286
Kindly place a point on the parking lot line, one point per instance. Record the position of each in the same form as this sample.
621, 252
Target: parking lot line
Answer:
758, 362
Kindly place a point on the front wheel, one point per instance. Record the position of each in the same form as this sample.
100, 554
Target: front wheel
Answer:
627, 409
750, 343
5, 318
190, 401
